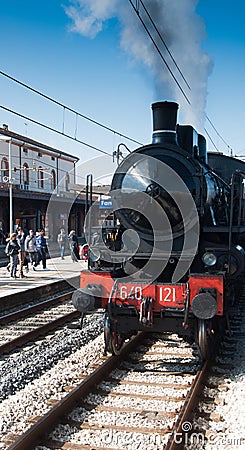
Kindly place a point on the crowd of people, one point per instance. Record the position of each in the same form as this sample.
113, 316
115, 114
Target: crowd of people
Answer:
32, 250
23, 250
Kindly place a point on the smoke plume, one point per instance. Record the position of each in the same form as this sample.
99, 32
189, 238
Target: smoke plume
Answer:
183, 32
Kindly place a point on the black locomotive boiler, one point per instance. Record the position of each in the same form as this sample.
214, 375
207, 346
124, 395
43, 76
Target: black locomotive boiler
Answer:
174, 259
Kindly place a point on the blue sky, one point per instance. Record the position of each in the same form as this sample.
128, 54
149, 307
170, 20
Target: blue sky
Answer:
113, 78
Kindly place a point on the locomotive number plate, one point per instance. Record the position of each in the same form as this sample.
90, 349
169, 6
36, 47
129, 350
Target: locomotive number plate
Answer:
130, 292
168, 295
172, 294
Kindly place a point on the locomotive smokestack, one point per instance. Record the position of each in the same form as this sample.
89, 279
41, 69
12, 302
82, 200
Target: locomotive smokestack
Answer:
164, 122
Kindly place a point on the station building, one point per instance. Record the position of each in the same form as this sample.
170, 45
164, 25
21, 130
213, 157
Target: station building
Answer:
38, 173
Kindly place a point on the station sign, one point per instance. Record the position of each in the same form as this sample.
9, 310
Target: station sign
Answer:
105, 204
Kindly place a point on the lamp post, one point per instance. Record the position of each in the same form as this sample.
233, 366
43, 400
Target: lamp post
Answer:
10, 180
10, 189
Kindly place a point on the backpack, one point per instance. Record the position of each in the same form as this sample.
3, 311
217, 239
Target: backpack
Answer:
9, 251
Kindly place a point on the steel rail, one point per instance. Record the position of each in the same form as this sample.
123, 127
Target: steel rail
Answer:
187, 409
39, 331
35, 434
29, 309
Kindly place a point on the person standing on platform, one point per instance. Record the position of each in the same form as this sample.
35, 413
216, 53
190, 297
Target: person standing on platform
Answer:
7, 239
41, 246
12, 250
21, 241
1, 237
73, 243
30, 247
62, 239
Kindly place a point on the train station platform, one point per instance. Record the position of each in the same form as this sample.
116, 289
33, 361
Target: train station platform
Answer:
59, 275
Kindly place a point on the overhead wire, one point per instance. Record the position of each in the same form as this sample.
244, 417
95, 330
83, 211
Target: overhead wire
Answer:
159, 51
165, 45
53, 129
207, 133
223, 140
65, 107
30, 159
137, 11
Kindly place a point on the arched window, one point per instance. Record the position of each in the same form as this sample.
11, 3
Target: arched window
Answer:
40, 179
26, 173
4, 168
53, 179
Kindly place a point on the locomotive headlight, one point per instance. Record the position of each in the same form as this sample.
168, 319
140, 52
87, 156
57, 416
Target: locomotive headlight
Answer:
209, 259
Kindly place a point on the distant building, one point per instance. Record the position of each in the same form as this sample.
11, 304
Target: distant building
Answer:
38, 171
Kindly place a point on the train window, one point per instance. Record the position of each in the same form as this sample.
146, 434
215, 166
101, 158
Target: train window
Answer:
40, 178
25, 173
53, 179
4, 168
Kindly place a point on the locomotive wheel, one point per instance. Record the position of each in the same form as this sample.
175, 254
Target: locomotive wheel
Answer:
204, 338
113, 341
107, 334
81, 320
116, 343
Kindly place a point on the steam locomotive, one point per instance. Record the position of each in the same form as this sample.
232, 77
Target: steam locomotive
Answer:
173, 259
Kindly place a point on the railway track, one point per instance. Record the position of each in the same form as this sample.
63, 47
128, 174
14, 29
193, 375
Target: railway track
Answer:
218, 419
142, 399
142, 396
19, 327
